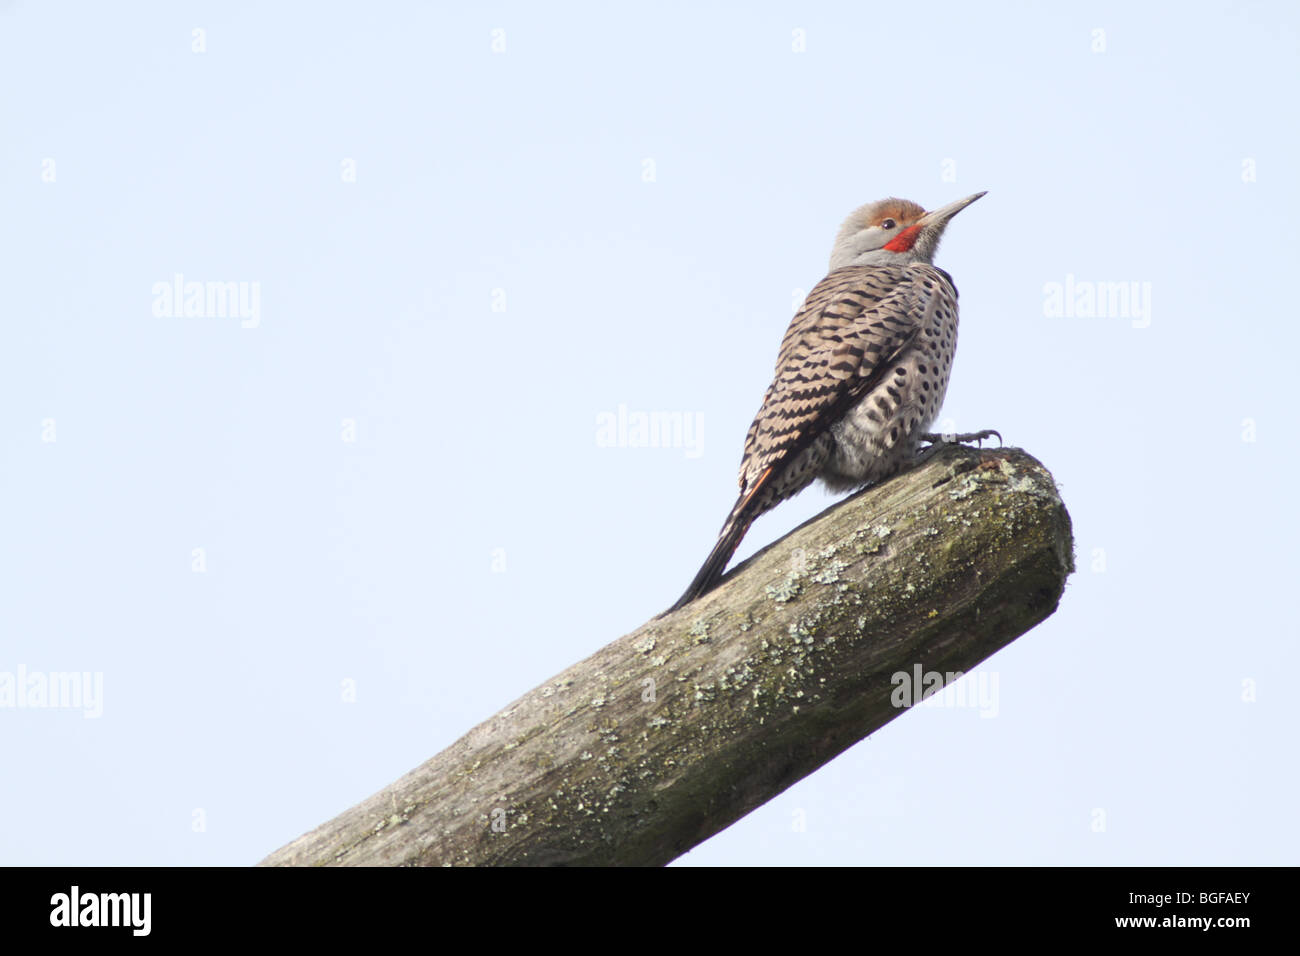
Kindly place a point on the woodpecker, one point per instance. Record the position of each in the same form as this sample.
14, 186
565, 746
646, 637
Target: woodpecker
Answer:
861, 372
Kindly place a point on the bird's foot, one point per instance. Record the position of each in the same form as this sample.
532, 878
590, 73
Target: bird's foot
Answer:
938, 441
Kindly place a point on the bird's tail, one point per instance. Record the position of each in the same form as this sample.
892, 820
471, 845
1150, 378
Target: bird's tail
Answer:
749, 507
711, 572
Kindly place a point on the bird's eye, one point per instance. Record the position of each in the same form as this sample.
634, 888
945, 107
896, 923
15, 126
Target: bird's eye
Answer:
888, 224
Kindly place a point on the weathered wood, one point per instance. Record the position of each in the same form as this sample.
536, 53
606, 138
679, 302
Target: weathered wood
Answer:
673, 732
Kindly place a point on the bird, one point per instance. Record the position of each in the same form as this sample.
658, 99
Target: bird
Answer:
860, 375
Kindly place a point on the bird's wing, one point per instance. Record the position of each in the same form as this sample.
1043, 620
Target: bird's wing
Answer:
841, 343
845, 339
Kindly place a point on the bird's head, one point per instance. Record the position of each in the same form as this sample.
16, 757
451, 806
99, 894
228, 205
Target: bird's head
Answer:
892, 231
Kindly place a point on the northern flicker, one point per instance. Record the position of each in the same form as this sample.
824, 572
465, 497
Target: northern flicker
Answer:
861, 372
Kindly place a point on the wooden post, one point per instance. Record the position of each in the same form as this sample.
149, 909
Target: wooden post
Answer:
673, 732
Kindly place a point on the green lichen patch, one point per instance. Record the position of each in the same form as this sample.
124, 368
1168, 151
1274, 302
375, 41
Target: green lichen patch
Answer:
699, 632
785, 591
830, 573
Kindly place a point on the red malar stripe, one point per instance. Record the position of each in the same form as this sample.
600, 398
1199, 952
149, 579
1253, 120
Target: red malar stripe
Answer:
904, 240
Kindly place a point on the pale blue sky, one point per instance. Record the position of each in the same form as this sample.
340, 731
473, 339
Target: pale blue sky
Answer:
500, 273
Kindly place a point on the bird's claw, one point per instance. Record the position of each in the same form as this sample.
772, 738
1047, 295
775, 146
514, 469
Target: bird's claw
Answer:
947, 438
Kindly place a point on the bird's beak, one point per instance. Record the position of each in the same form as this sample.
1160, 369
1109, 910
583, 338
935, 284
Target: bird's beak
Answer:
941, 215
